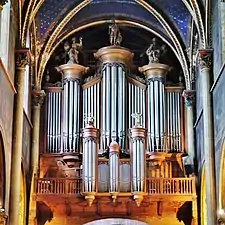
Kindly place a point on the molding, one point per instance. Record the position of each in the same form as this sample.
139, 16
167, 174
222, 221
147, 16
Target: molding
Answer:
8, 78
198, 119
217, 78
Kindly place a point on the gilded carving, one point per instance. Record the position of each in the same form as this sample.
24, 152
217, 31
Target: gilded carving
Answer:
21, 58
3, 218
38, 97
73, 50
115, 36
155, 52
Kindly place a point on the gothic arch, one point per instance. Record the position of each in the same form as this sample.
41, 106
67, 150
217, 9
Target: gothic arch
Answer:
2, 172
222, 178
113, 221
203, 198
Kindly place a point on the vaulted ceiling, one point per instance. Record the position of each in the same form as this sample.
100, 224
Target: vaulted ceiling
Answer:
51, 22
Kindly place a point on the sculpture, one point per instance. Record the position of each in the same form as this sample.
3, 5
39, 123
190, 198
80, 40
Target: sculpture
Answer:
73, 50
137, 117
115, 36
154, 52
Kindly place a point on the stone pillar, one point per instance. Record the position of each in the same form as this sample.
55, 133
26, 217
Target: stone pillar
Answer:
38, 98
21, 62
205, 59
188, 101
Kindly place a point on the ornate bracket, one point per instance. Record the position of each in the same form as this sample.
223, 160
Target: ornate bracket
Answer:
189, 97
205, 58
38, 97
22, 58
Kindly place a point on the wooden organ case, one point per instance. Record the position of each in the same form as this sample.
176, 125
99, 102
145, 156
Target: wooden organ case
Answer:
113, 139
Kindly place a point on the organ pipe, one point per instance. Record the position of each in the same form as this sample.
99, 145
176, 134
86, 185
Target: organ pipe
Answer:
156, 127
72, 78
114, 60
138, 160
114, 168
174, 142
90, 153
53, 119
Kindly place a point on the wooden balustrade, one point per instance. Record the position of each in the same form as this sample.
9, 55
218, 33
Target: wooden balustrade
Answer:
58, 186
154, 186
171, 186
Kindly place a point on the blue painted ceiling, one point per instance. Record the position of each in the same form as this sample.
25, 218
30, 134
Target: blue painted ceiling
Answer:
53, 11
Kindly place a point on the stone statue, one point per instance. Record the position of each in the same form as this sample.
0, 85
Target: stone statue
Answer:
73, 50
154, 52
115, 36
137, 117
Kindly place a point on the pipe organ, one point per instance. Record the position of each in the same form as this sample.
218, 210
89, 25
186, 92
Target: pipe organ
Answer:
112, 99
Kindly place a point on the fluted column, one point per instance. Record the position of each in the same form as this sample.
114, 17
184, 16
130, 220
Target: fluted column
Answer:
72, 78
115, 60
90, 156
138, 160
205, 59
114, 149
188, 101
22, 60
156, 112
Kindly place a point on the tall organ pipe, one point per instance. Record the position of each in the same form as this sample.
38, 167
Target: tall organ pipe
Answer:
137, 142
114, 168
53, 119
114, 60
90, 153
156, 75
72, 78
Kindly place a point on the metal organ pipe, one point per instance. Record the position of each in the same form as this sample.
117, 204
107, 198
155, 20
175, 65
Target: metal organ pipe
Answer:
114, 168
53, 117
90, 153
72, 77
137, 142
114, 60
155, 75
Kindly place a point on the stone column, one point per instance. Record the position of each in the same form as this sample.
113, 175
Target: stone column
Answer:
38, 98
22, 60
205, 59
188, 101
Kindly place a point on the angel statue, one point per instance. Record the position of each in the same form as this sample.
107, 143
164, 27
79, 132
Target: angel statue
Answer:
73, 50
137, 116
154, 52
115, 36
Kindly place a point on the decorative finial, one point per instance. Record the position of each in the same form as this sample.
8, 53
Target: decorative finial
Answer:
115, 36
137, 116
73, 50
89, 120
154, 52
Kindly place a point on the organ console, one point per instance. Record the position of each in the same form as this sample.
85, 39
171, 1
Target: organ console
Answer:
142, 118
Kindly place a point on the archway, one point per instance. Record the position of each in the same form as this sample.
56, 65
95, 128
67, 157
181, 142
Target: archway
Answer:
203, 198
22, 212
116, 221
2, 173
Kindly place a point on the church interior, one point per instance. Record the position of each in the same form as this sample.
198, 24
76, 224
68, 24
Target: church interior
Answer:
112, 112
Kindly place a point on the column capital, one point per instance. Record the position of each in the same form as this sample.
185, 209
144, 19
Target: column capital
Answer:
38, 97
22, 58
205, 58
189, 97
